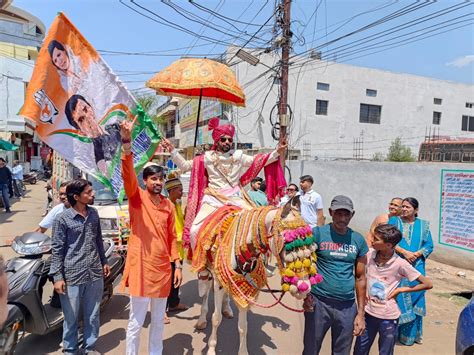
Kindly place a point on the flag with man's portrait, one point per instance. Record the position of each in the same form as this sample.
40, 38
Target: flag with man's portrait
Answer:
77, 103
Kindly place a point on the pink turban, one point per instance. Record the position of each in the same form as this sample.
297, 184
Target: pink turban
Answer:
219, 131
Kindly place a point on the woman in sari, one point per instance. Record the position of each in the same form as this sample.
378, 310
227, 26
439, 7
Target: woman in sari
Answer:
415, 247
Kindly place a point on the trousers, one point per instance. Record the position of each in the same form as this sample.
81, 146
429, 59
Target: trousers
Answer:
86, 298
387, 331
329, 313
138, 310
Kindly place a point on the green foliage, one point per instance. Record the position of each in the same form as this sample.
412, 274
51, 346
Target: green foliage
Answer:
378, 157
150, 103
399, 152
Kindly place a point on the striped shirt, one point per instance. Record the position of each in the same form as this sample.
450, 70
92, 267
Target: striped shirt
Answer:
77, 250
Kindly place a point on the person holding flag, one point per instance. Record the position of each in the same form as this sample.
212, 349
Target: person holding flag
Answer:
151, 246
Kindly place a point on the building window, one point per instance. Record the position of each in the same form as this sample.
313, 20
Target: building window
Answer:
371, 92
322, 86
467, 123
322, 107
436, 117
437, 101
469, 104
370, 113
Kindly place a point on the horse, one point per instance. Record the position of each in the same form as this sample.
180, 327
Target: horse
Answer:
228, 257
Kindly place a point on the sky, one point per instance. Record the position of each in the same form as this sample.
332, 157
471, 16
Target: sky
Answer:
109, 25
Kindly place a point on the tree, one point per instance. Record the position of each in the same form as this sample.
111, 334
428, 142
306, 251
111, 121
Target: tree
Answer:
399, 151
150, 103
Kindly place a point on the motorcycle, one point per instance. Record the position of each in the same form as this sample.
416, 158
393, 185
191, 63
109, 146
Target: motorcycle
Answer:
30, 178
27, 276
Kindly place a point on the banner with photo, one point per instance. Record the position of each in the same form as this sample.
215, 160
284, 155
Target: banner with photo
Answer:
77, 103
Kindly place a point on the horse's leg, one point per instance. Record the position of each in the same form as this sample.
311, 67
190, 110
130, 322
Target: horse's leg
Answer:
226, 309
216, 316
204, 287
243, 331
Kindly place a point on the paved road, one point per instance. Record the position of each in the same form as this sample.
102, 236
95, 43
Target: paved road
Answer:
271, 331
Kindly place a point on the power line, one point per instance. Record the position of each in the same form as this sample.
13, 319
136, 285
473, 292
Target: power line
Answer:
401, 27
203, 8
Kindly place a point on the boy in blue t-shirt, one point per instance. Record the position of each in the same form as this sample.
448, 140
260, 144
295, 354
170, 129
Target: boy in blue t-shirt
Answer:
331, 303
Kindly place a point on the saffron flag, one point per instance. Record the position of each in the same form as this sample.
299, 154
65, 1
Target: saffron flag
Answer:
77, 103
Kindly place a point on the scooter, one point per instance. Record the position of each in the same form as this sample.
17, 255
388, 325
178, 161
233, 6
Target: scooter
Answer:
27, 276
30, 178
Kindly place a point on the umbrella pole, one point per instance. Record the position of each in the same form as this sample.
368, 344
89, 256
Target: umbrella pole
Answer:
197, 119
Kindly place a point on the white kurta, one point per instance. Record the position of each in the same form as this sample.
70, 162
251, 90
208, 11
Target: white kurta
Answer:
235, 164
224, 171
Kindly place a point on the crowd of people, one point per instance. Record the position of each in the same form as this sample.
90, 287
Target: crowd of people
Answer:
372, 285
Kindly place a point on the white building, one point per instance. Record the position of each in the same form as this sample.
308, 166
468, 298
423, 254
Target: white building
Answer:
21, 36
342, 111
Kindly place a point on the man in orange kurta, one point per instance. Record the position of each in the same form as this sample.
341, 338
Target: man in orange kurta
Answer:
150, 247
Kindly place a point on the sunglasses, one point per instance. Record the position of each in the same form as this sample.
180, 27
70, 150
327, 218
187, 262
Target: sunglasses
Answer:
225, 139
290, 189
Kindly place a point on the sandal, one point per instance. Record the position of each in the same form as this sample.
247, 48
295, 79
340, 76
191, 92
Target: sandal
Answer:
179, 308
166, 320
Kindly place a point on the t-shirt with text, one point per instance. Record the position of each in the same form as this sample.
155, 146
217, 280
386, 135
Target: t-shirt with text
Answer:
337, 255
382, 280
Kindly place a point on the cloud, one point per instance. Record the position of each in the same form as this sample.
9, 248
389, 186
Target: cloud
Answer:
462, 61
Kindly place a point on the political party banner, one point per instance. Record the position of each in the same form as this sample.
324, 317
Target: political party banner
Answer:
77, 103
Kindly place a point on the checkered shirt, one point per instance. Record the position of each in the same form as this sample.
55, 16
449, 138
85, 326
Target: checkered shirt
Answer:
78, 251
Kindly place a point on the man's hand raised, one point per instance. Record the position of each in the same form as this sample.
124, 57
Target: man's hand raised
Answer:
167, 145
126, 131
282, 146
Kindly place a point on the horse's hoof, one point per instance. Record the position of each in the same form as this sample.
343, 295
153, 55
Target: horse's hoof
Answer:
201, 325
228, 314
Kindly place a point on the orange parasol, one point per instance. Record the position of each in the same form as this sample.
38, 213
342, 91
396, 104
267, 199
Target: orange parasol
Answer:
198, 78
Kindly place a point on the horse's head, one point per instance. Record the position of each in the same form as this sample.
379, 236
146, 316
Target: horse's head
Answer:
295, 249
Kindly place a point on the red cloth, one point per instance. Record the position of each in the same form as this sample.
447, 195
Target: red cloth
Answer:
197, 184
275, 180
219, 131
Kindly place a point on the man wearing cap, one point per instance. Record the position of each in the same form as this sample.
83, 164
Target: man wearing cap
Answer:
218, 175
174, 187
341, 262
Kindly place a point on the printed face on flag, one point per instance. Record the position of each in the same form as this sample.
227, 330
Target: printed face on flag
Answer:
77, 103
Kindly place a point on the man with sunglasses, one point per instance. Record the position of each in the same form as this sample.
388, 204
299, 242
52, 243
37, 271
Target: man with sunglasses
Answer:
218, 176
291, 191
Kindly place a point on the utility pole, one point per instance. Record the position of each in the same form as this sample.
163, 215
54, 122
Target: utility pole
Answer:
285, 55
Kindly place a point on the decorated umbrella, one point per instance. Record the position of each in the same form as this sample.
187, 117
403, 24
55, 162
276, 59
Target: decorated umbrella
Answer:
4, 145
198, 78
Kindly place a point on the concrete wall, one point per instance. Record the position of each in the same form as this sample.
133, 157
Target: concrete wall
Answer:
20, 33
371, 185
407, 108
14, 73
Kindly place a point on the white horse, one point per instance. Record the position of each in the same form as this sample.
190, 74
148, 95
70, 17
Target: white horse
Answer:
211, 277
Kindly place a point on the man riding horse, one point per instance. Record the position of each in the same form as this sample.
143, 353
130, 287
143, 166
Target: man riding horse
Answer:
218, 177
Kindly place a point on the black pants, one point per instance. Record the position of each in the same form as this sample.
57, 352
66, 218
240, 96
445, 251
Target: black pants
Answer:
173, 298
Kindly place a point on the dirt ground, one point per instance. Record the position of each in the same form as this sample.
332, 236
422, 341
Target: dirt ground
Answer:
270, 331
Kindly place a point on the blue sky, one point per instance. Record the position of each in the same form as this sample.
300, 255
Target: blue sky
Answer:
109, 25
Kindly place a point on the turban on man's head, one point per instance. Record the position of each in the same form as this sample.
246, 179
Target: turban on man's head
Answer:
219, 131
